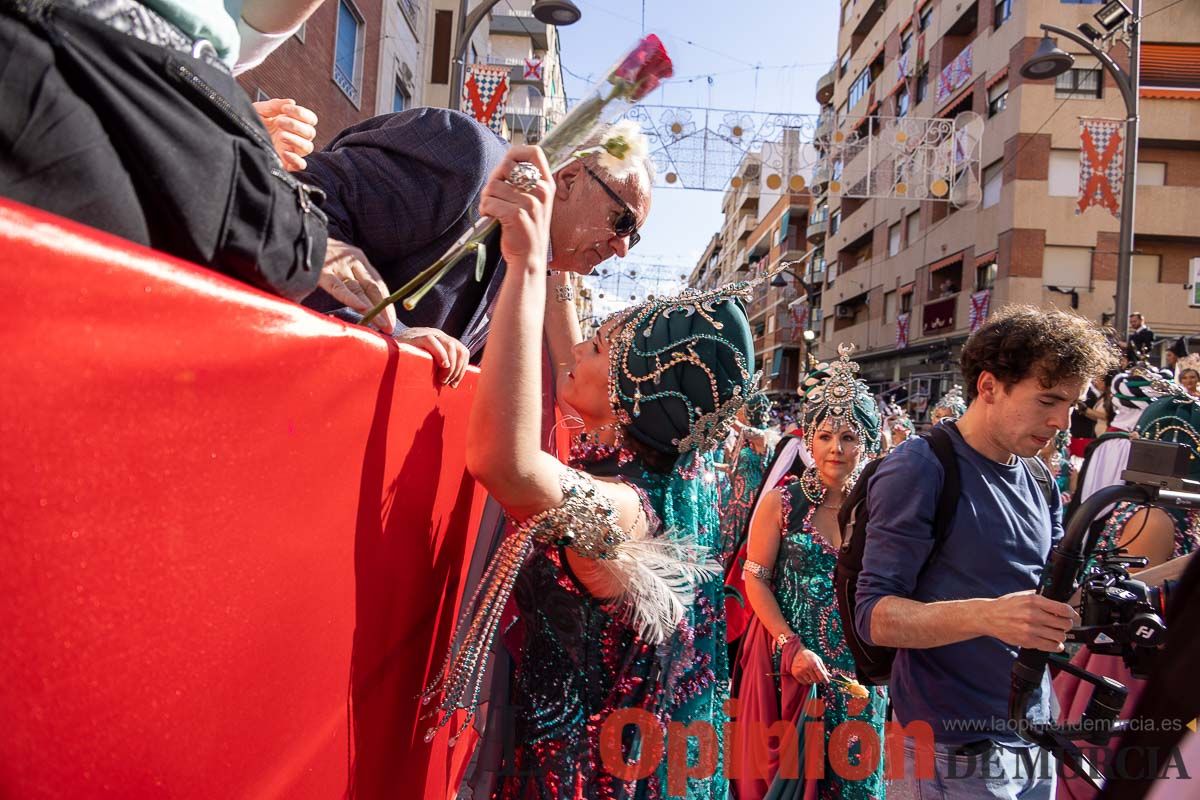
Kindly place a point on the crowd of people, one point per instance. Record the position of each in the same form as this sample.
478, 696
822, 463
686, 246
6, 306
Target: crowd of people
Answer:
675, 586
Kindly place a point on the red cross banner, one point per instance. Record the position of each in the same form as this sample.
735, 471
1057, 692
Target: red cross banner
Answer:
902, 331
484, 94
533, 69
1101, 165
980, 301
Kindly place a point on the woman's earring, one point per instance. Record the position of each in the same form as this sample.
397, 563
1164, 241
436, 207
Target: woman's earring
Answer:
811, 485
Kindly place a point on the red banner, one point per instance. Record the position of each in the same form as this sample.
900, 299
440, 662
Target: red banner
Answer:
234, 534
1101, 165
902, 331
938, 316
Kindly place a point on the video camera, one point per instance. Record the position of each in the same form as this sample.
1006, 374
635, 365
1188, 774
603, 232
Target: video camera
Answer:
1120, 615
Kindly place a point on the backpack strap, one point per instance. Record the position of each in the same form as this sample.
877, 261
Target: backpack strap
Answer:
942, 445
1041, 474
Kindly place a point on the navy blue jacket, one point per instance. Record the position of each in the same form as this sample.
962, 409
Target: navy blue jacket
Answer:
403, 187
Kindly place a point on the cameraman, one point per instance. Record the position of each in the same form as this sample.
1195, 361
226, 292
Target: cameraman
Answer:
957, 616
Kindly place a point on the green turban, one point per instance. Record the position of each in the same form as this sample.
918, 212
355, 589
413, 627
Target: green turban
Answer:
682, 367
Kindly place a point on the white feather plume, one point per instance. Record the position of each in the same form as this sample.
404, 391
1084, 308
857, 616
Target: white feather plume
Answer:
657, 577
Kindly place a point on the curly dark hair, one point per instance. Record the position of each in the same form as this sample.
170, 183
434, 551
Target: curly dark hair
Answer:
1021, 340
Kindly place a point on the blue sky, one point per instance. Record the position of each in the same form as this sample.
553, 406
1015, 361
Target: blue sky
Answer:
792, 43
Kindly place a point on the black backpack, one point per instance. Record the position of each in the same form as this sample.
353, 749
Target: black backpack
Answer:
872, 663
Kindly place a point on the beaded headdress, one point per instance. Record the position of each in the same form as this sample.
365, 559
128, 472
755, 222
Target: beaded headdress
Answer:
1174, 418
680, 368
833, 393
952, 401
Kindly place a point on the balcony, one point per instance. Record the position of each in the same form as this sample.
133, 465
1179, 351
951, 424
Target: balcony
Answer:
520, 23
818, 224
954, 76
824, 128
825, 86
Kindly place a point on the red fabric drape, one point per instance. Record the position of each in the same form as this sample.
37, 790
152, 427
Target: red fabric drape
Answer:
231, 531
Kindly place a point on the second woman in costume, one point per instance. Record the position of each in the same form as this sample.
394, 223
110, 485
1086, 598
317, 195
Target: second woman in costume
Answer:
792, 555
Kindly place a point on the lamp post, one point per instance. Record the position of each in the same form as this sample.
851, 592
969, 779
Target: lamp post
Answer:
809, 335
558, 13
1050, 62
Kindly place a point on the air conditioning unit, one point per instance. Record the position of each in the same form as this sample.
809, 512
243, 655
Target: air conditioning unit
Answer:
843, 312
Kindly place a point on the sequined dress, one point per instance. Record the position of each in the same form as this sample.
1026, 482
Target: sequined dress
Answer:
1187, 529
738, 499
578, 662
803, 583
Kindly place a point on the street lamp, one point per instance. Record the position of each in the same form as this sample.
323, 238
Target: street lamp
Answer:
1049, 62
559, 13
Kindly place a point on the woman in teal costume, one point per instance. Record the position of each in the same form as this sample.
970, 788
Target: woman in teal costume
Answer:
746, 471
610, 562
789, 571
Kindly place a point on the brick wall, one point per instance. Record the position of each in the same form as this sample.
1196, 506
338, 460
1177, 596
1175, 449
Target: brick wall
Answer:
1020, 252
304, 70
1183, 166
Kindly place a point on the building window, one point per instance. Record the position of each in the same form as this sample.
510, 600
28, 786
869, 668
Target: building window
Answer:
1003, 12
889, 307
1151, 173
902, 101
998, 97
835, 221
912, 225
993, 182
906, 302
985, 276
846, 10
1079, 82
894, 239
1064, 173
1067, 267
844, 64
1146, 269
439, 69
923, 83
925, 17
400, 96
858, 89
906, 40
347, 55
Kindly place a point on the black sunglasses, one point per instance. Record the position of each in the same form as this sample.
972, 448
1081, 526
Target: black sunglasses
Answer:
626, 222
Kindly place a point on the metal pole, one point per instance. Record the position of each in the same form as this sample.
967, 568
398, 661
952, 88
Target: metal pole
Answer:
467, 23
1127, 84
1125, 254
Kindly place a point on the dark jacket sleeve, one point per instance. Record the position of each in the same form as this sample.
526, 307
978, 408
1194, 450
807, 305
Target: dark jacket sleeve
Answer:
398, 182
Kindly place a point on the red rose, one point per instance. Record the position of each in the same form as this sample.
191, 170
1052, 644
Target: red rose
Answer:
645, 66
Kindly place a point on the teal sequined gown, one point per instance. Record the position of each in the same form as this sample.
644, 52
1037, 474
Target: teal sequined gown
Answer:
803, 583
737, 499
578, 661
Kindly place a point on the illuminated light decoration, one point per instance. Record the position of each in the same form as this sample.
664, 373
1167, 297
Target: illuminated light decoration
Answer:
774, 181
671, 177
796, 183
939, 187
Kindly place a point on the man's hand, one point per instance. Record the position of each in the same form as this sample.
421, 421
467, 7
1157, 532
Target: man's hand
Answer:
1026, 619
350, 278
292, 127
450, 356
807, 667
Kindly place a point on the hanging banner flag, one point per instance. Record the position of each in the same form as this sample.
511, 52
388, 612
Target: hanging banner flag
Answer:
901, 331
902, 63
980, 301
955, 75
799, 311
484, 94
533, 69
1101, 156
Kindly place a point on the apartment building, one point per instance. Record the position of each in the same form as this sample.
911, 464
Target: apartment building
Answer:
510, 37
777, 320
904, 276
351, 60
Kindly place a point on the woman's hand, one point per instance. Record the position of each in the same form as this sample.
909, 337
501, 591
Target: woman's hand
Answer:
807, 667
292, 128
524, 216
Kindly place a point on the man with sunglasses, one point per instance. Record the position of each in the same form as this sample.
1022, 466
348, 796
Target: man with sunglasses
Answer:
401, 188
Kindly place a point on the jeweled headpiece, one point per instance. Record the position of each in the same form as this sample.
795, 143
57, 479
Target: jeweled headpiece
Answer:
833, 393
1174, 418
680, 368
952, 401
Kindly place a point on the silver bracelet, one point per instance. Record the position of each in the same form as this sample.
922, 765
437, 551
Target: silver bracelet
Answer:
756, 569
565, 293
